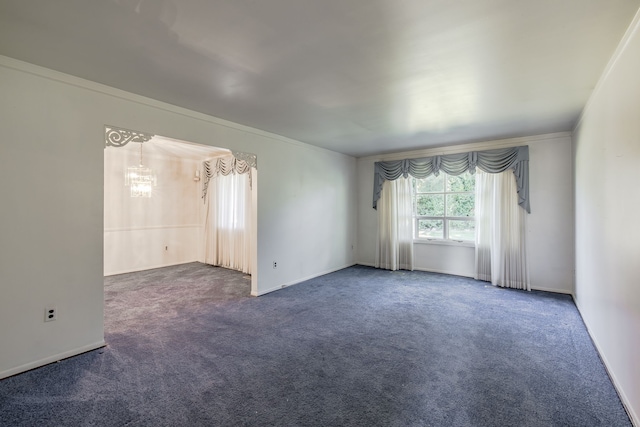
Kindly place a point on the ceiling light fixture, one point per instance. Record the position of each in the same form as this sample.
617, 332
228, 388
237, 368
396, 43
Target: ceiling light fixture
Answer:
140, 179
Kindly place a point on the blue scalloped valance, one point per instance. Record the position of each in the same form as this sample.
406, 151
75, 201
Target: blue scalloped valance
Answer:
490, 161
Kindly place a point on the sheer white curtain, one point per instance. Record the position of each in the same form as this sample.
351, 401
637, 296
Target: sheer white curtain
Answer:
394, 250
501, 256
228, 222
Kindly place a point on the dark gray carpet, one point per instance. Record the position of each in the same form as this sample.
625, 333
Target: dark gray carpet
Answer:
365, 347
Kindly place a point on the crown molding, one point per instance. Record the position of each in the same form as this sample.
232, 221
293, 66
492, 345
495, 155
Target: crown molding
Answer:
57, 76
463, 148
620, 49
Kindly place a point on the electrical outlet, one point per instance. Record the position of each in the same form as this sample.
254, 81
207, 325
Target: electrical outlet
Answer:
50, 313
275, 264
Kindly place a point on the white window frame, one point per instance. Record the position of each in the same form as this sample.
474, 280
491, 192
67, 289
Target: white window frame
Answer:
445, 219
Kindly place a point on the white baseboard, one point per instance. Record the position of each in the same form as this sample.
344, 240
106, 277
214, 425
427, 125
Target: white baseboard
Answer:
428, 270
635, 419
554, 290
304, 279
51, 359
450, 273
147, 267
366, 264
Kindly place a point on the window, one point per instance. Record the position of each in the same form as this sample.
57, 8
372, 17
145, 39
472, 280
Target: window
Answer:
443, 207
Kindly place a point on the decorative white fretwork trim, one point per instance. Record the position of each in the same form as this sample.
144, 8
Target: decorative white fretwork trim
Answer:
118, 137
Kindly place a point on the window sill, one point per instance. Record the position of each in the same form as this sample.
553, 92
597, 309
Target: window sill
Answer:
444, 243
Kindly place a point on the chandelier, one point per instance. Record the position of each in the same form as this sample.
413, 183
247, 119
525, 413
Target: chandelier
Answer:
140, 179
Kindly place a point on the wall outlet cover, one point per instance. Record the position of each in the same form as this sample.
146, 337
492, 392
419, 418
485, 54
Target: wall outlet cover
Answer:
50, 313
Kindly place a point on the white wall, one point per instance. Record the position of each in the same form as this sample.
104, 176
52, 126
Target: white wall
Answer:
144, 233
549, 226
607, 174
51, 182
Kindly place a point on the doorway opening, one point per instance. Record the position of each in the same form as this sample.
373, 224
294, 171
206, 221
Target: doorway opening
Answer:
166, 220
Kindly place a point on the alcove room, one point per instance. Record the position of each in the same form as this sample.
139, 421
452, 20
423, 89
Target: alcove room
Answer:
160, 195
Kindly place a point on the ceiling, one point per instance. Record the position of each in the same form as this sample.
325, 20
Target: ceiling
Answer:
359, 77
160, 145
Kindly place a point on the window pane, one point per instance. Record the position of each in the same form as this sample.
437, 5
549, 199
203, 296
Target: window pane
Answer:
460, 204
463, 182
462, 230
430, 184
430, 204
431, 228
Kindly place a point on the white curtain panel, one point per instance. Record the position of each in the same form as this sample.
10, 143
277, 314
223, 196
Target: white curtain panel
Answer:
394, 250
501, 256
228, 222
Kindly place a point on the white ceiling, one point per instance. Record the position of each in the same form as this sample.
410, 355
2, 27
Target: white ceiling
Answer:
355, 76
160, 145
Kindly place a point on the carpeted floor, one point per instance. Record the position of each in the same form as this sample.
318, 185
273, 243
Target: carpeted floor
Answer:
187, 346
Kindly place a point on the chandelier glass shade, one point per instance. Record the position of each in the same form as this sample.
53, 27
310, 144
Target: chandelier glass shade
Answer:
140, 179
